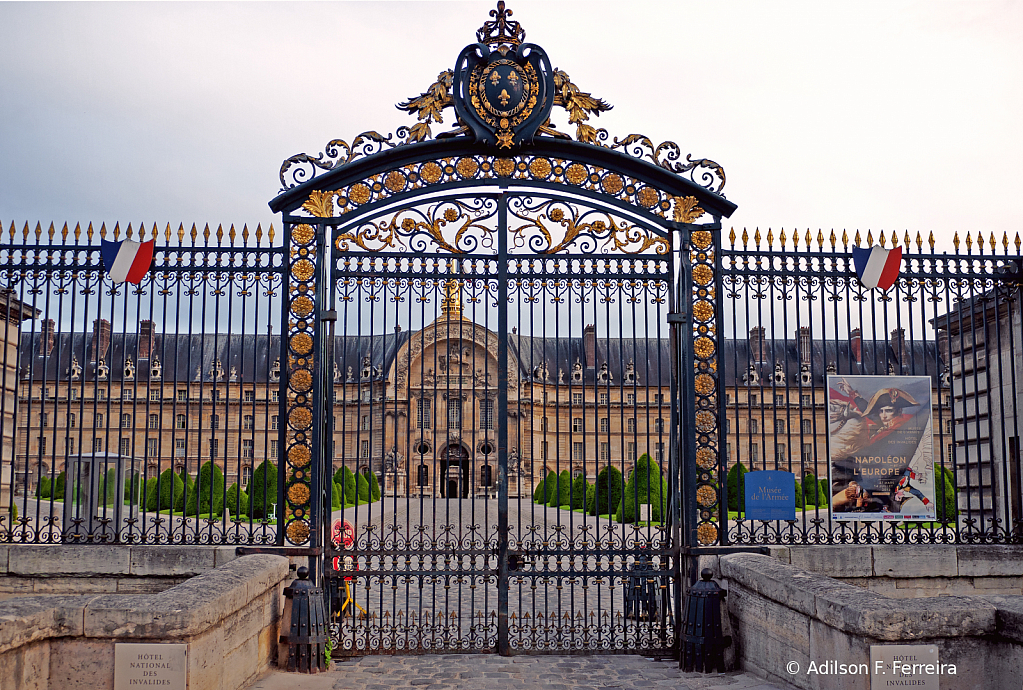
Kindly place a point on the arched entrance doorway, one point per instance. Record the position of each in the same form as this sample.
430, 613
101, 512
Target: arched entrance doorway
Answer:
455, 472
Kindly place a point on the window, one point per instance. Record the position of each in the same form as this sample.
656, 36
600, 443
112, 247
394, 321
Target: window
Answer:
275, 396
125, 421
246, 475
366, 394
47, 394
154, 421
779, 426
423, 413
805, 401
97, 445
659, 398
726, 424
577, 451
127, 394
577, 424
659, 452
605, 399
543, 451
42, 445
101, 394
577, 398
154, 396
248, 422
99, 419
605, 451
486, 475
948, 426
659, 425
182, 395
424, 475
217, 395
70, 443
755, 453
248, 448
779, 400
630, 451
214, 447
806, 426
274, 448
728, 398
753, 399
273, 422
73, 394
486, 415
631, 426
250, 396
365, 423
44, 419
214, 421
181, 422
605, 425
454, 414
364, 449
152, 447
543, 424
630, 398
179, 447
754, 426
807, 453
779, 452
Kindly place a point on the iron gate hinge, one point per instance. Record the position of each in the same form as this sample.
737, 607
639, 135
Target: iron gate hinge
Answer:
675, 317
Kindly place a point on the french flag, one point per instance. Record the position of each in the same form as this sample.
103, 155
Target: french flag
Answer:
128, 261
877, 267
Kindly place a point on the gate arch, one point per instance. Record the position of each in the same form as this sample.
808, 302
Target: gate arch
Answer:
501, 284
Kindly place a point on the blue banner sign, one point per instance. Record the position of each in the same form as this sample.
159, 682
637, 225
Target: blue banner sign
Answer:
770, 495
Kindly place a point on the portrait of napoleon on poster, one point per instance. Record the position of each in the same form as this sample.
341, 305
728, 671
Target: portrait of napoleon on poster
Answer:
879, 434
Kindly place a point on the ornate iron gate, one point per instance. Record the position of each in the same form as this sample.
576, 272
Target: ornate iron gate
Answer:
482, 325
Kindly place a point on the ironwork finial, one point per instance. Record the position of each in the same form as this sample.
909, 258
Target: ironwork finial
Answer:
501, 30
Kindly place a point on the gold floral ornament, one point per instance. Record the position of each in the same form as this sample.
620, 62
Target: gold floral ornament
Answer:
299, 456
303, 234
395, 181
504, 167
612, 184
687, 210
359, 193
467, 167
703, 347
303, 270
705, 421
648, 197
703, 275
703, 311
706, 496
301, 380
298, 494
707, 534
302, 306
301, 418
302, 343
431, 173
298, 532
705, 458
704, 384
576, 173
540, 167
701, 239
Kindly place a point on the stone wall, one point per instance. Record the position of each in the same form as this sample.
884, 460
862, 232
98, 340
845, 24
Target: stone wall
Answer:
780, 613
95, 569
916, 570
228, 617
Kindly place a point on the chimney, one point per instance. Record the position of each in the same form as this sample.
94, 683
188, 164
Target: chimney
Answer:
145, 339
898, 341
756, 343
856, 341
46, 338
805, 345
100, 338
590, 345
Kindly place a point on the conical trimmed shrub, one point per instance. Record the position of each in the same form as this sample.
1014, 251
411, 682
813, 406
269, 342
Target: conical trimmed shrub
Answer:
58, 487
374, 486
564, 495
132, 486
811, 487
348, 486
607, 492
945, 494
362, 488
644, 487
236, 500
579, 485
737, 488
591, 489
44, 489
262, 489
550, 487
165, 491
538, 492
335, 496
823, 496
208, 494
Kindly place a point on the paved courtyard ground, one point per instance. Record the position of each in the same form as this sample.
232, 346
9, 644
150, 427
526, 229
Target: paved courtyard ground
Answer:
486, 671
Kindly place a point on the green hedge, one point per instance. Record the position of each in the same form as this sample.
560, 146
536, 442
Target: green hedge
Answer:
58, 486
945, 494
813, 494
563, 495
335, 496
579, 486
262, 489
362, 488
44, 488
207, 495
737, 488
236, 501
171, 489
538, 492
607, 493
644, 487
345, 479
591, 490
374, 486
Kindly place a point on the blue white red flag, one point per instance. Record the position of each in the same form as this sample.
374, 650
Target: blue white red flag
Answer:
128, 261
877, 267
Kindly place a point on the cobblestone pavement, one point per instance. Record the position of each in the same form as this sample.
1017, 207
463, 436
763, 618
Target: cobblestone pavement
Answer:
483, 672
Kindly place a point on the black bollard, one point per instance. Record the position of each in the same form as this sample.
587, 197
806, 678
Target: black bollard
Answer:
703, 642
302, 648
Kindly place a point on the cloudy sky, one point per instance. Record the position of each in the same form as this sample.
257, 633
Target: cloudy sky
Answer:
859, 115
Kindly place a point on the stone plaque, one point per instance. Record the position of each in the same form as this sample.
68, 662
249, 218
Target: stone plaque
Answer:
149, 666
904, 665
